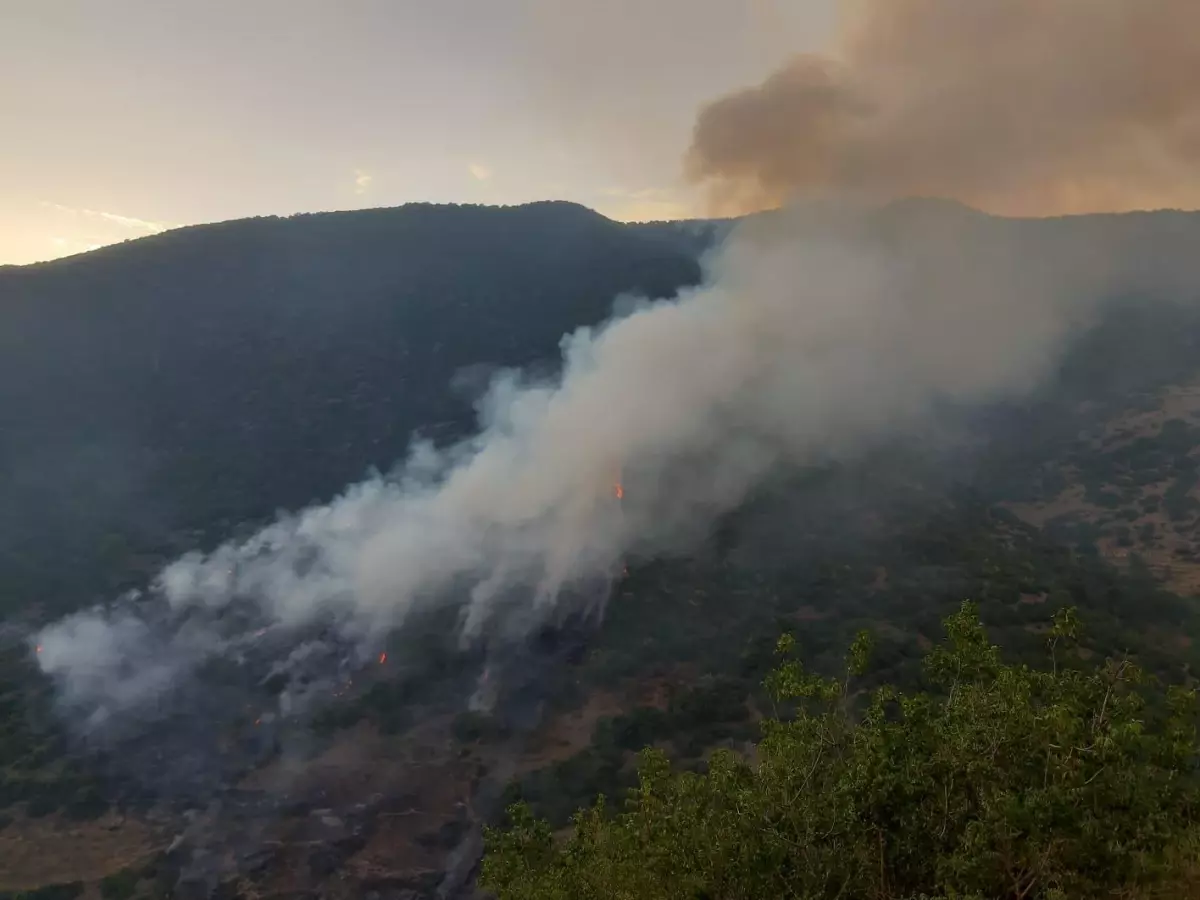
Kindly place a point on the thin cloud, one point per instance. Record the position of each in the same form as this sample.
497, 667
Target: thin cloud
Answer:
130, 222
66, 245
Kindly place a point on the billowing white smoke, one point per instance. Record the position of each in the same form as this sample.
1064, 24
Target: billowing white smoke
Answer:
817, 333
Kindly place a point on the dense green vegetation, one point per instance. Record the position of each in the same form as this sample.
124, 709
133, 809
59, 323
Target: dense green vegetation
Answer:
997, 781
119, 885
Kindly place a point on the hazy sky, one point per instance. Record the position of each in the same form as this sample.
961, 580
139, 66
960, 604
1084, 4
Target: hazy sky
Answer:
125, 116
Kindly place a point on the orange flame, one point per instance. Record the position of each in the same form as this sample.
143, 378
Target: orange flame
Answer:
39, 648
382, 658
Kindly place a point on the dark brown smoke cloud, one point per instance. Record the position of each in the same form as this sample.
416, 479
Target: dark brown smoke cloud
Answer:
1019, 107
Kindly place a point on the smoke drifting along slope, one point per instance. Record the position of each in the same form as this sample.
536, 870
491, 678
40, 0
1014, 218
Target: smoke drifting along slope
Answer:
1019, 107
817, 334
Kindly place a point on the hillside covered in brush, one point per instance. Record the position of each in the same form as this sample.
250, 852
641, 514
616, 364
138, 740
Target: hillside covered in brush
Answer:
159, 394
168, 393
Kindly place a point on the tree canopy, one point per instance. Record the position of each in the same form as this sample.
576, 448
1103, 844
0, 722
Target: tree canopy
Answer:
996, 781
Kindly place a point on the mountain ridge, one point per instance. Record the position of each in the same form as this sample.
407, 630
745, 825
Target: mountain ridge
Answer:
339, 216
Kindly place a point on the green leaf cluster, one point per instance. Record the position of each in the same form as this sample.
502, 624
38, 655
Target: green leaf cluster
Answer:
996, 781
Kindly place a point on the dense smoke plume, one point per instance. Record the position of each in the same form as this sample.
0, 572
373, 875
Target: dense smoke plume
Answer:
818, 333
1019, 107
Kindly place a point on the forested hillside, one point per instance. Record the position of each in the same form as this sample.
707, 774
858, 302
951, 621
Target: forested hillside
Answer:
171, 392
159, 394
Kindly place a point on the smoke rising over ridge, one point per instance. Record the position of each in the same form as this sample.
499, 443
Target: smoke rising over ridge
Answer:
818, 333
1019, 107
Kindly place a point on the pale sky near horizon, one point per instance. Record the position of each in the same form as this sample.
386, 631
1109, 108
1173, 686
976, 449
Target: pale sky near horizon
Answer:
124, 117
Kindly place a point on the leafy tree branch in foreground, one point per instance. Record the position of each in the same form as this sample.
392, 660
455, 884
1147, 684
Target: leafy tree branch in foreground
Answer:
1000, 782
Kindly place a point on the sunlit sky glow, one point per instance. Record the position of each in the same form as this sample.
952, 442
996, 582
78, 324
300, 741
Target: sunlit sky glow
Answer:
126, 117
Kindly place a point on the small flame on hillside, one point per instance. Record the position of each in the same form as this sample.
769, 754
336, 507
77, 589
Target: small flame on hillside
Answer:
382, 658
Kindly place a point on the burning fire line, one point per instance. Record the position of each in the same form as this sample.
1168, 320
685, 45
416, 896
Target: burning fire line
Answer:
619, 494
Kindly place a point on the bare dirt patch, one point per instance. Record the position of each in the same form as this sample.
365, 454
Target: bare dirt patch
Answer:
1176, 402
565, 735
1171, 552
1169, 549
1070, 502
36, 852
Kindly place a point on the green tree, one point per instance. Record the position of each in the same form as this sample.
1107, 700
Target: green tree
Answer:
119, 885
1000, 781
